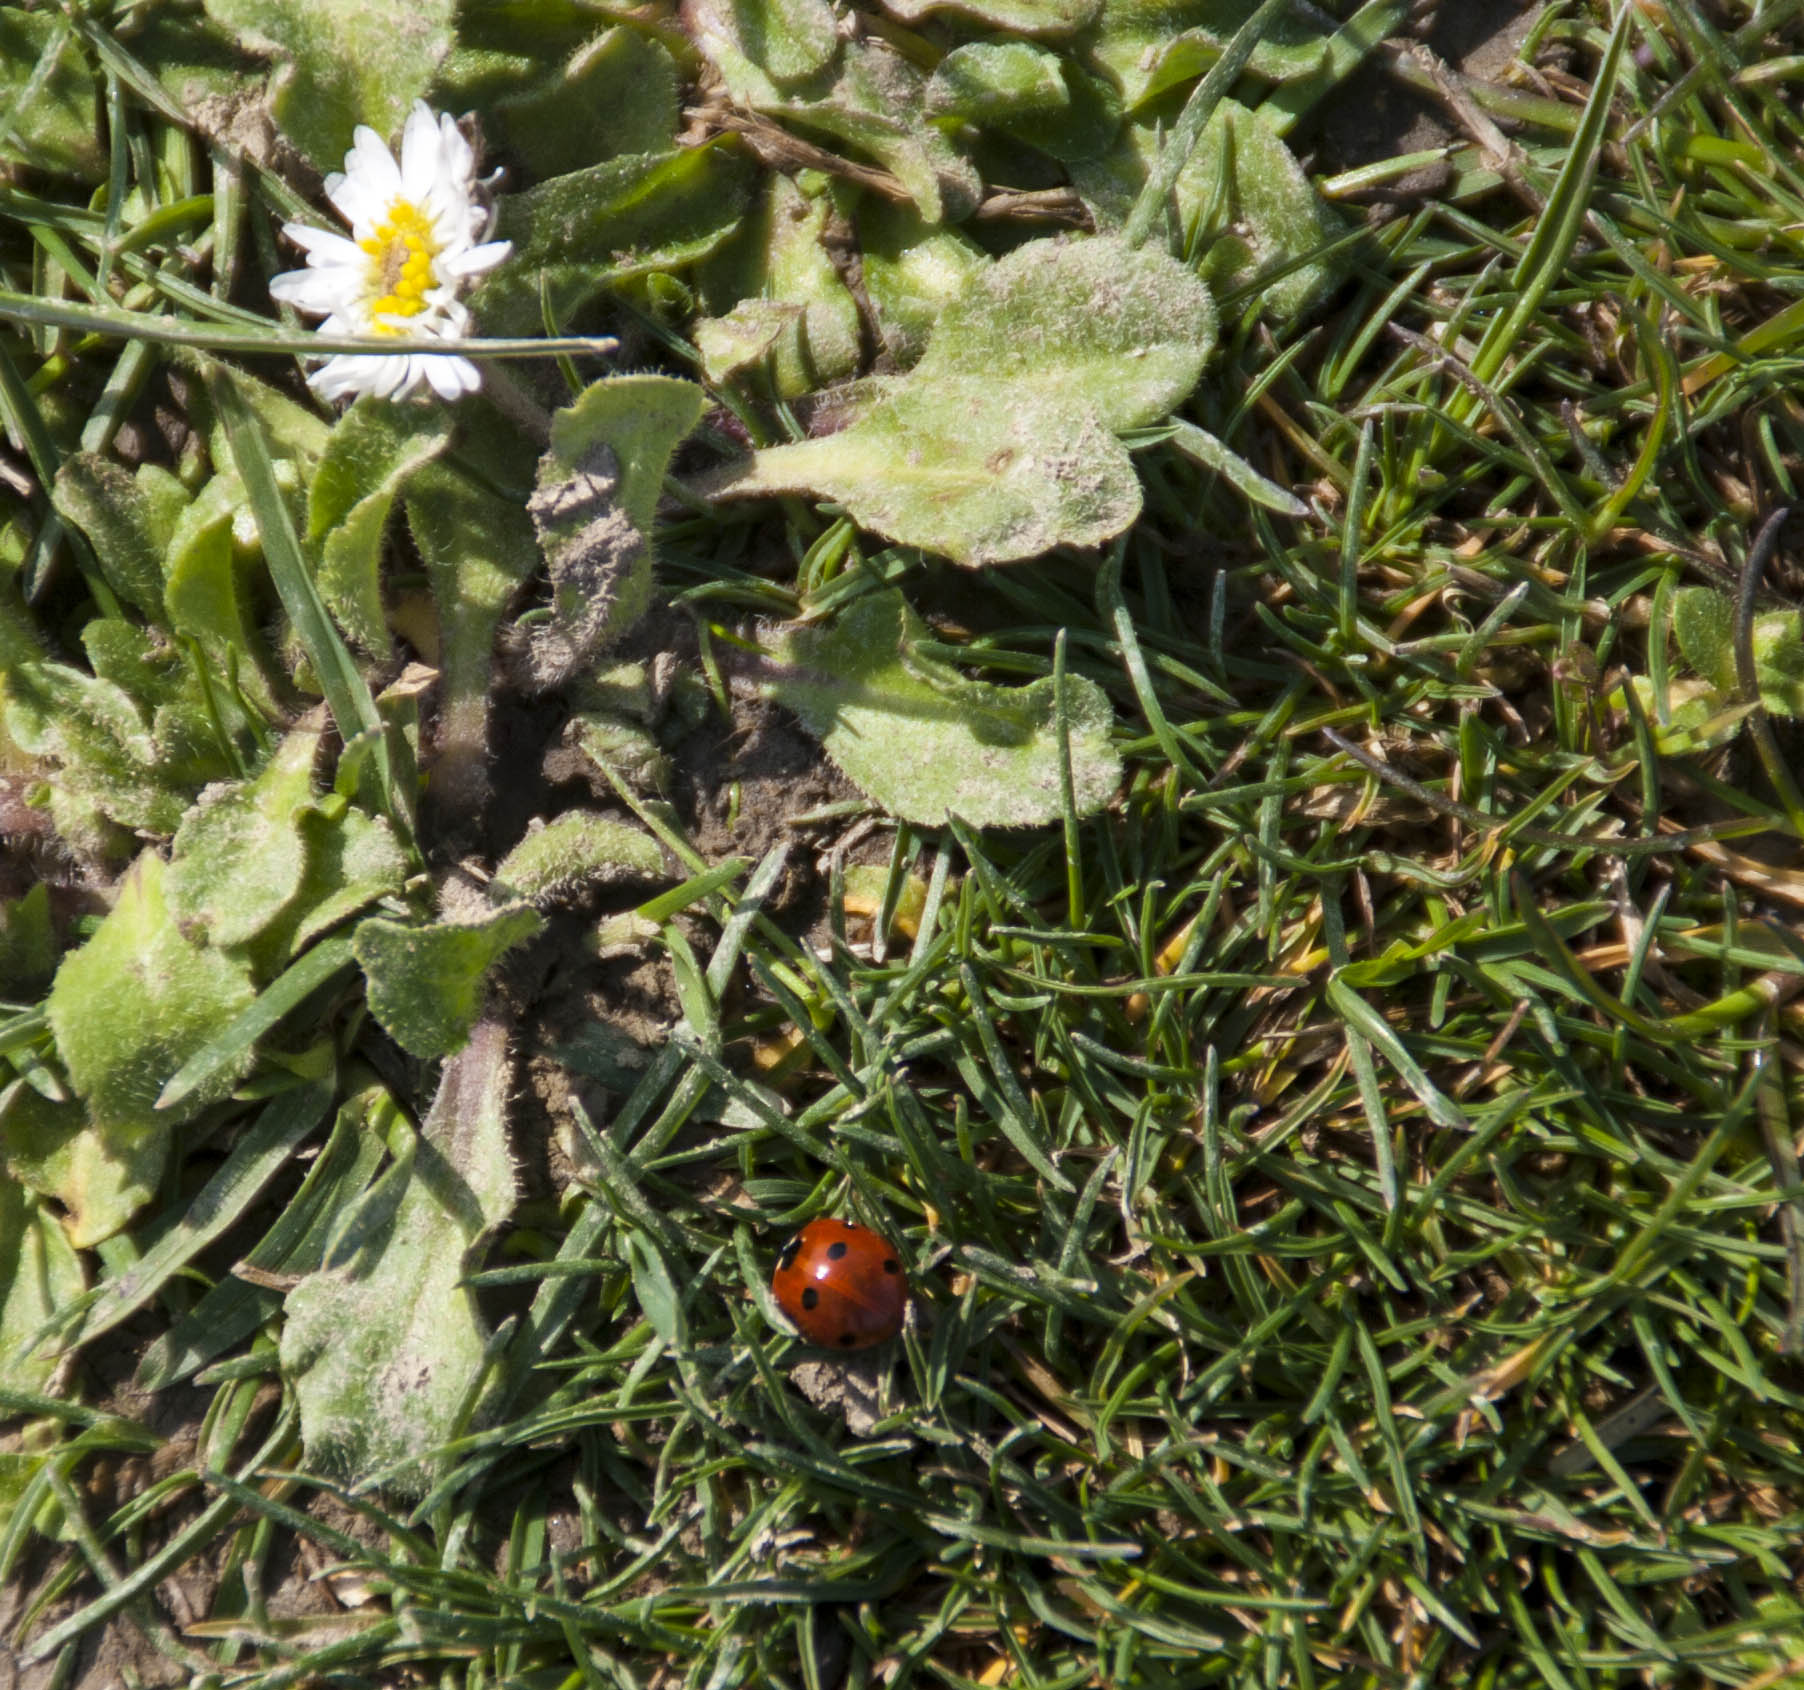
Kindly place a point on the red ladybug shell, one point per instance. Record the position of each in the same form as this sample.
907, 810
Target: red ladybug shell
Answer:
842, 1285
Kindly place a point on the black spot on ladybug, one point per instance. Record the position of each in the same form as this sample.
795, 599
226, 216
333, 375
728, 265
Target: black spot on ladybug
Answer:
835, 1251
788, 1256
846, 1340
810, 1297
891, 1265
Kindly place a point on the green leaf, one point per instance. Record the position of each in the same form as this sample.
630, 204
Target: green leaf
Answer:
57, 127
340, 63
239, 856
97, 739
1023, 17
997, 447
384, 1346
1703, 622
789, 40
351, 862
656, 1290
1126, 331
575, 850
924, 742
479, 549
133, 1003
871, 98
783, 280
426, 982
1149, 46
912, 272
374, 450
100, 1178
614, 93
229, 1050
1202, 446
288, 429
205, 593
1269, 214
127, 1009
40, 1273
27, 943
255, 1159
579, 233
597, 496
347, 693
991, 82
128, 519
977, 472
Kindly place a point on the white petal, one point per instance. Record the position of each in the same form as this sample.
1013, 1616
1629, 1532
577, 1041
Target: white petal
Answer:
370, 161
420, 162
451, 378
325, 246
317, 292
340, 378
477, 259
459, 159
395, 378
362, 205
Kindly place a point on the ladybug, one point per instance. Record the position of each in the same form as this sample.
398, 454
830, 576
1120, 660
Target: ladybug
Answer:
841, 1284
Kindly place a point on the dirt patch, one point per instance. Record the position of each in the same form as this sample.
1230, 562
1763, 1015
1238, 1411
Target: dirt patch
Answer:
1375, 116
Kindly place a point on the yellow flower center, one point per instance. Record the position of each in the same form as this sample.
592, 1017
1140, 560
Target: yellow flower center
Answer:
400, 253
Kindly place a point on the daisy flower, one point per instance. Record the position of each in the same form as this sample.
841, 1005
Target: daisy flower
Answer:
417, 237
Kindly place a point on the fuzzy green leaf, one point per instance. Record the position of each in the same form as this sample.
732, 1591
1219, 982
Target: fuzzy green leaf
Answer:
1149, 46
597, 496
577, 849
205, 592
1126, 331
97, 739
912, 272
57, 128
128, 1009
780, 275
340, 63
1269, 213
1703, 622
27, 943
426, 982
100, 1178
239, 856
351, 862
1022, 17
139, 998
614, 93
383, 1346
789, 40
998, 446
128, 519
991, 82
979, 473
373, 451
39, 1274
923, 741
579, 233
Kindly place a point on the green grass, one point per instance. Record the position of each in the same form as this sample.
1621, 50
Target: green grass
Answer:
1349, 1183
